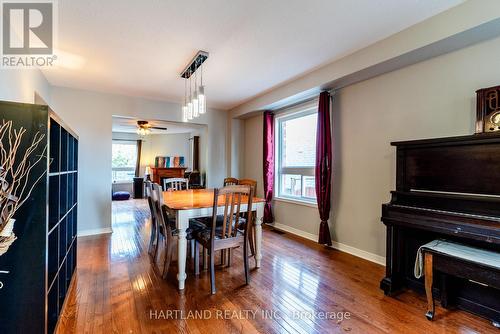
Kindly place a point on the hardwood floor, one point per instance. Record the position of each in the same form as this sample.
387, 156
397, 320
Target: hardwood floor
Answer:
116, 290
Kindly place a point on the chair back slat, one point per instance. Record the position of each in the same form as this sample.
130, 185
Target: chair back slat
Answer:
175, 184
230, 181
249, 182
231, 215
157, 199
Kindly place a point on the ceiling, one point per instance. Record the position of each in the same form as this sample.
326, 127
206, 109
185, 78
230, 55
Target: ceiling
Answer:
129, 125
139, 48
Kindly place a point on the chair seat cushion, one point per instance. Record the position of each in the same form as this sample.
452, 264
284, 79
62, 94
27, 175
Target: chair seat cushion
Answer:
121, 196
204, 235
207, 222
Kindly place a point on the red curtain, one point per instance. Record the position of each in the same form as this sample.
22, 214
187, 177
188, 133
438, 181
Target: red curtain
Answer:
323, 170
268, 165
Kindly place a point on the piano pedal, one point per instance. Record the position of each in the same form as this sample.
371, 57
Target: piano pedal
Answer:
495, 324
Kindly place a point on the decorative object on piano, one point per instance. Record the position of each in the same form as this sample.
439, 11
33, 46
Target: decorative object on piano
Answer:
488, 109
15, 186
169, 162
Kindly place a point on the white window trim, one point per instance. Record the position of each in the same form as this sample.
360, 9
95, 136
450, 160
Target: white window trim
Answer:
130, 142
303, 109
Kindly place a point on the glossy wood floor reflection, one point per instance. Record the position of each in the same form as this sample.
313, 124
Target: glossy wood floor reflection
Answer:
117, 291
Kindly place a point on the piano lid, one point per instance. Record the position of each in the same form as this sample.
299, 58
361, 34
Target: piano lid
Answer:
466, 165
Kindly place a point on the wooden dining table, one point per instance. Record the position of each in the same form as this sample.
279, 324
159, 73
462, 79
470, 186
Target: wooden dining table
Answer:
195, 203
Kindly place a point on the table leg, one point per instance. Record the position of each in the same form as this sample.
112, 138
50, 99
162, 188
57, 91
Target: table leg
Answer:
258, 235
182, 223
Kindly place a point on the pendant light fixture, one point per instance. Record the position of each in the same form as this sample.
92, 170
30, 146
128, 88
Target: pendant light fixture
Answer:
190, 103
195, 100
184, 106
201, 94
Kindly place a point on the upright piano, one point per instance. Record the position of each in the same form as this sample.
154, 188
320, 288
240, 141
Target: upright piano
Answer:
446, 188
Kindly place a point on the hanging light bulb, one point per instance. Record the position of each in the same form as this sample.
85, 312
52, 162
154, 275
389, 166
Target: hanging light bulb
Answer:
184, 114
202, 104
184, 106
190, 103
201, 100
194, 100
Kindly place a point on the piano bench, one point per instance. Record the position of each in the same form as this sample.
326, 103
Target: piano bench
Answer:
477, 265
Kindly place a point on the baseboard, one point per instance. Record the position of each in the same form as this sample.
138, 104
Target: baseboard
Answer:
337, 245
96, 231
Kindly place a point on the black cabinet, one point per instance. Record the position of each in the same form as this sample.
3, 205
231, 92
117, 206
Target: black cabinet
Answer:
36, 271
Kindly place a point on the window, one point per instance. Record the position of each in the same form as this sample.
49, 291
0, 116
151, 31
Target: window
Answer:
296, 153
124, 155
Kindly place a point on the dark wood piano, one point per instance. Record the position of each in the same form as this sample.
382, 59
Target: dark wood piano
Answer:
445, 188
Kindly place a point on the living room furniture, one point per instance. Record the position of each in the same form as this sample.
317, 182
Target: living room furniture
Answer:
457, 260
187, 204
446, 188
175, 184
233, 230
120, 196
164, 173
41, 262
253, 184
229, 181
195, 181
166, 228
138, 187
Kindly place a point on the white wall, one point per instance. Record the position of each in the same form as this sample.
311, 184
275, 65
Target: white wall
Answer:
434, 98
21, 85
90, 115
166, 145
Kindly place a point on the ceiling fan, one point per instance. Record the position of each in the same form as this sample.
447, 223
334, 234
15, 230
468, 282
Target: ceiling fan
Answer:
144, 128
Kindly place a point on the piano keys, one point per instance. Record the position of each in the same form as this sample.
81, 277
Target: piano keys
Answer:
446, 188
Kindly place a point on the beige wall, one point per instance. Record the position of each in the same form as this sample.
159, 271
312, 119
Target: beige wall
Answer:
166, 145
90, 115
253, 152
434, 98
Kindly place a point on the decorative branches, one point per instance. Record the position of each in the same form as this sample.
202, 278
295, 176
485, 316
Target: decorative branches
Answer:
15, 184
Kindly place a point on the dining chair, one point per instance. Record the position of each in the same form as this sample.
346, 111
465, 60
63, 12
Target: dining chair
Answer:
166, 227
251, 238
174, 184
231, 233
153, 246
230, 181
177, 184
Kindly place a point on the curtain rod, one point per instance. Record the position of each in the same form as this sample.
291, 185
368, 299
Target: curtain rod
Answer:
303, 101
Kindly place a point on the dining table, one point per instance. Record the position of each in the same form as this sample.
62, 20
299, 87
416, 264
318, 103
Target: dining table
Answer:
195, 203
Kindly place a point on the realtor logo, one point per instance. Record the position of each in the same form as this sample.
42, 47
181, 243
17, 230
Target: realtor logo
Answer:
27, 33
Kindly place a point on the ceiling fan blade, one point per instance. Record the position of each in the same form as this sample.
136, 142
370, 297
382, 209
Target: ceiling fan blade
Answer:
157, 128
